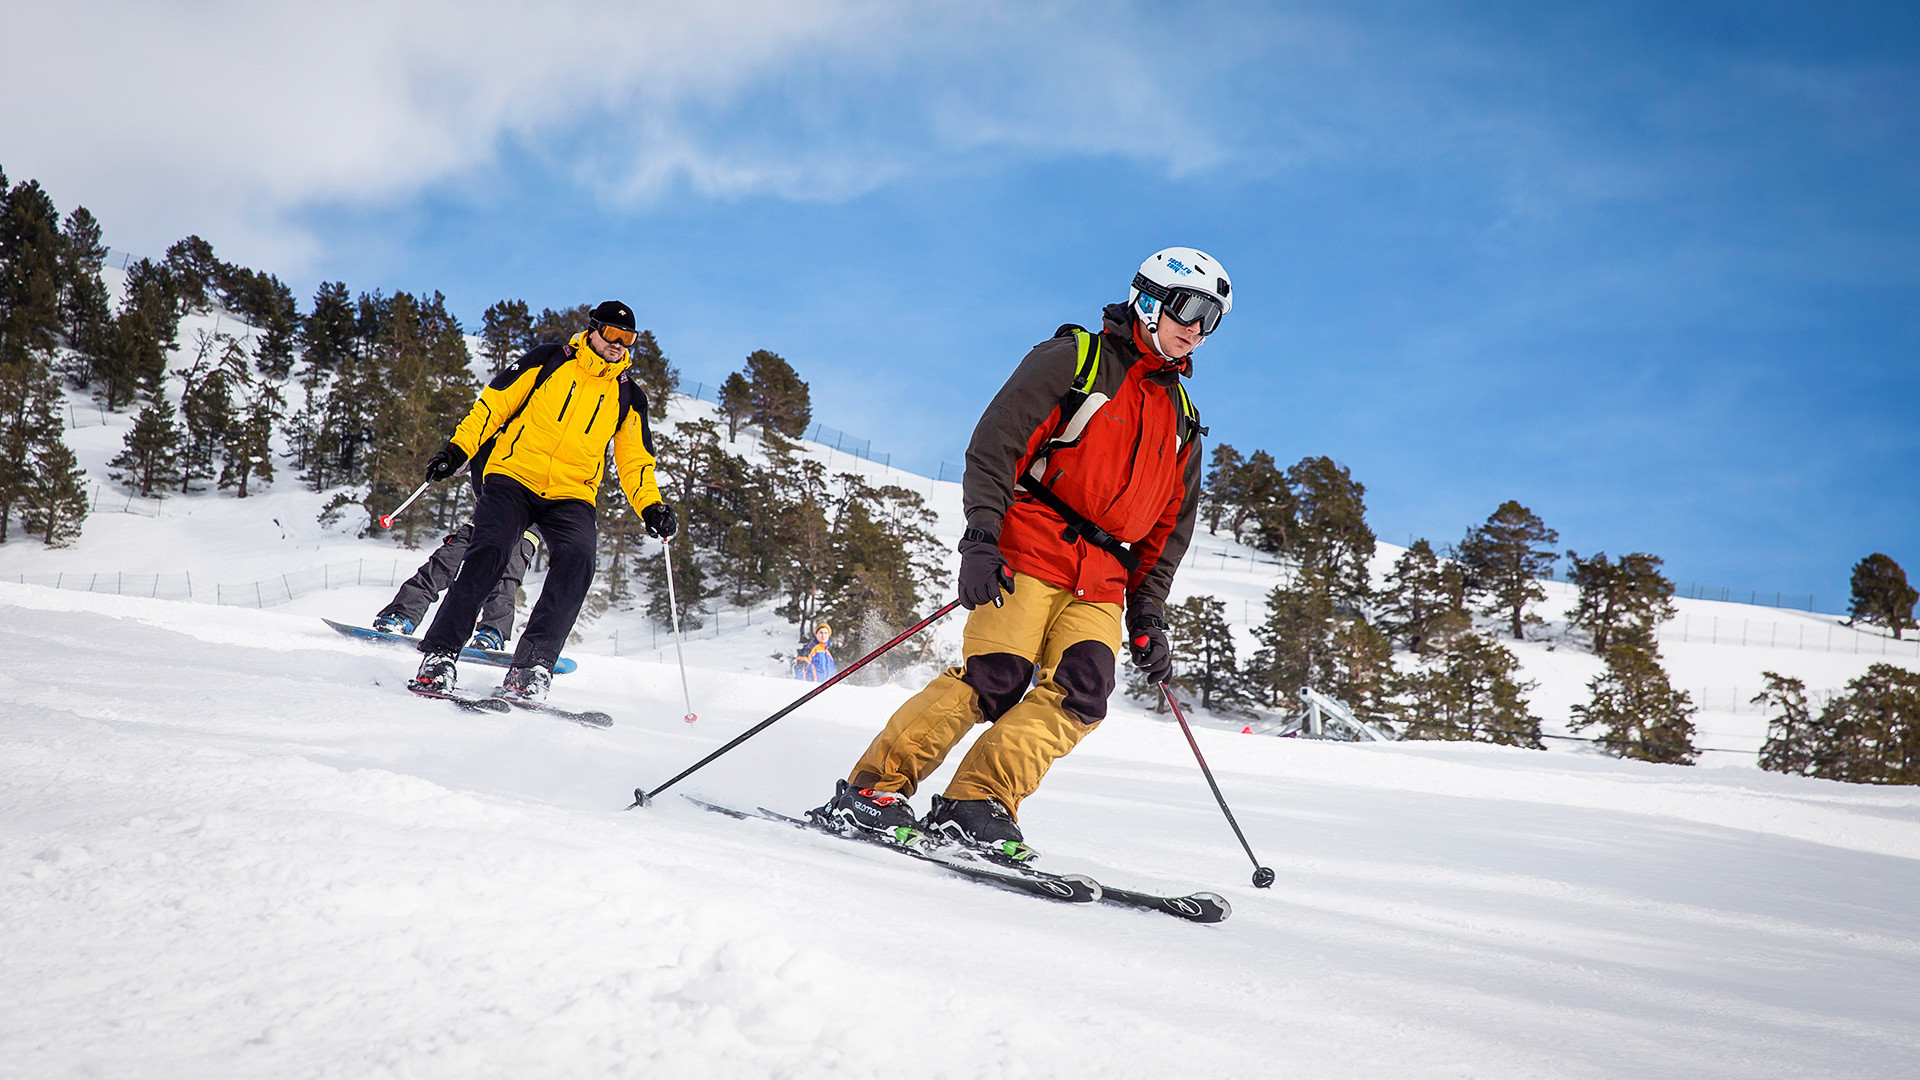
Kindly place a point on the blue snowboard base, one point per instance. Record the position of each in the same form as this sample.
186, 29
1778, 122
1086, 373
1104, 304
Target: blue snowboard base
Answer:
491, 657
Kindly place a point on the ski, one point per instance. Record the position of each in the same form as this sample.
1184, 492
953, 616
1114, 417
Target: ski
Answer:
1069, 888
1200, 907
590, 718
490, 657
465, 701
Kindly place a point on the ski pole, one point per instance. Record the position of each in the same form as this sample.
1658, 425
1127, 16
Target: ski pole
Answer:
642, 797
386, 520
1262, 877
673, 609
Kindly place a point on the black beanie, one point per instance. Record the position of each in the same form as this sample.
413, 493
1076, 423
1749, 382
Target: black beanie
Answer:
614, 313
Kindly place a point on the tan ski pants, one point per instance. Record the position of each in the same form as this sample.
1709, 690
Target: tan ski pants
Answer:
1044, 637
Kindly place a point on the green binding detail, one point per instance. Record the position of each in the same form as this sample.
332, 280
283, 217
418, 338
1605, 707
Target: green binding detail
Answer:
1015, 850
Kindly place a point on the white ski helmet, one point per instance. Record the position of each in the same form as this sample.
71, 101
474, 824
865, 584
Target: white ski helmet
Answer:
1187, 284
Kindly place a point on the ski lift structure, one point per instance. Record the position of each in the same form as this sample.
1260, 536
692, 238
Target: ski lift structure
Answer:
1319, 717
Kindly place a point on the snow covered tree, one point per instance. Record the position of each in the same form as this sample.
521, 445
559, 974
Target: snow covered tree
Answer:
1642, 715
1504, 557
149, 459
506, 333
1469, 692
1793, 744
780, 399
654, 372
1629, 596
736, 401
1881, 595
219, 371
1424, 603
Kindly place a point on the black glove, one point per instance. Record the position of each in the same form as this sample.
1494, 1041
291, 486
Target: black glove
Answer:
983, 570
659, 520
1147, 640
445, 463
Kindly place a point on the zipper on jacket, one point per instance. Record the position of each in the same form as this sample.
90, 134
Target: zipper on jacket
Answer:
596, 413
564, 404
514, 443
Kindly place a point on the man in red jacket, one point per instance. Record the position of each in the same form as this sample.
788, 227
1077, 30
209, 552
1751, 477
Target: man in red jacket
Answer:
1082, 482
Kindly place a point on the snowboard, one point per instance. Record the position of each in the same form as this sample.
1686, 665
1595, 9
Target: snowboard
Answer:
490, 657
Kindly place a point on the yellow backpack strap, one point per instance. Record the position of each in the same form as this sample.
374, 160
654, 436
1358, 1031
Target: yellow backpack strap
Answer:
1189, 415
1086, 367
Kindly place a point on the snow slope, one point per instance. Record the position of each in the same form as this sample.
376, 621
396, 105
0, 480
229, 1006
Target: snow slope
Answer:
234, 846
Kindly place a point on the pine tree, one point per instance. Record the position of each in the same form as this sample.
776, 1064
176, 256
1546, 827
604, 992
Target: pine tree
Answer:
30, 285
654, 372
150, 458
1793, 744
83, 300
1203, 651
196, 273
1870, 734
1359, 666
247, 443
1630, 596
1643, 716
883, 560
1218, 492
561, 325
206, 403
1263, 500
1881, 595
1504, 557
148, 327
1468, 693
621, 535
1296, 641
1424, 603
1331, 539
736, 401
30, 425
780, 398
55, 500
423, 367
327, 334
506, 332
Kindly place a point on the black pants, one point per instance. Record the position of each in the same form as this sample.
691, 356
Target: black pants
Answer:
503, 513
418, 592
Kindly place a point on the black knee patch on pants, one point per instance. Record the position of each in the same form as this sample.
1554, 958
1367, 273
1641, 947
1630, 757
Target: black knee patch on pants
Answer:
1001, 679
1086, 674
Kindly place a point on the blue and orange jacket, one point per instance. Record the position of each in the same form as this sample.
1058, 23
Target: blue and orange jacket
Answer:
816, 666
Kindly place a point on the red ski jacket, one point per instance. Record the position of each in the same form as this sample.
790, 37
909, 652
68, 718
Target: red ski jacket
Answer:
1134, 469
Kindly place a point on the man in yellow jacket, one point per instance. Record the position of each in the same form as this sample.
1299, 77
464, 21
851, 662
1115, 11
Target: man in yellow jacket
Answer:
543, 426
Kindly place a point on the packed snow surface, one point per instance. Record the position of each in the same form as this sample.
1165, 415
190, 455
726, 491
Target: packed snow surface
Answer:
235, 846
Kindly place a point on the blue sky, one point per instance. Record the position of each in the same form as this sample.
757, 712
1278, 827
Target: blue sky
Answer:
1650, 270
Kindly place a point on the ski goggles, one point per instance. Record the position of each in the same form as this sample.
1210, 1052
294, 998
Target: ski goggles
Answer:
615, 335
1184, 306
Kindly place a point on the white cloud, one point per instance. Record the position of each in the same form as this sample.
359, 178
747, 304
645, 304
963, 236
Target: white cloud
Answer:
231, 118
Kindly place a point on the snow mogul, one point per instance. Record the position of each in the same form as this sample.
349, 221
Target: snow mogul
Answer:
1081, 487
550, 417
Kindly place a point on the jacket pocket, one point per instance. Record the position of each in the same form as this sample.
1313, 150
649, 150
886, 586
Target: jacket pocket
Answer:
564, 404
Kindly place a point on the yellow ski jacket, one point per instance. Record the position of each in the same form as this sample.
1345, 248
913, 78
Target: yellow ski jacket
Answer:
552, 438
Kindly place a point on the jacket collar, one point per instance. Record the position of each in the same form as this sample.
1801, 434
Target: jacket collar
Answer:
1121, 327
592, 363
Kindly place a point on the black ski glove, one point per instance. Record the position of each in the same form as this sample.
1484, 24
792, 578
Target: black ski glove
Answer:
445, 463
983, 570
660, 520
1147, 640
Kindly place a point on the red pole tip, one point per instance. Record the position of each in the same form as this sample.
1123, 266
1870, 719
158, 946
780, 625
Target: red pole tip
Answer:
690, 718
386, 522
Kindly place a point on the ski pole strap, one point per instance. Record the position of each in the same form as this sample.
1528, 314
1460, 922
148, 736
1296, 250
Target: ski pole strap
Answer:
1078, 527
643, 798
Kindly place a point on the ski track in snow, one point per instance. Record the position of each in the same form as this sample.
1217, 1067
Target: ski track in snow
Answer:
235, 846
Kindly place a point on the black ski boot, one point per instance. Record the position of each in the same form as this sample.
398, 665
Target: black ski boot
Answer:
525, 683
981, 824
436, 675
882, 815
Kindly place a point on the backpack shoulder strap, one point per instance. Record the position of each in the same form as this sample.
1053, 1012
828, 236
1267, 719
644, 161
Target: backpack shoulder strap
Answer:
634, 400
1190, 428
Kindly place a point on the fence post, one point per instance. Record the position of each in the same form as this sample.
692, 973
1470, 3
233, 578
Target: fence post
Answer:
189, 584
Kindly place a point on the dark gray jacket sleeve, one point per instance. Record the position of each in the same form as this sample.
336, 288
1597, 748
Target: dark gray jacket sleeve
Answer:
1006, 430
